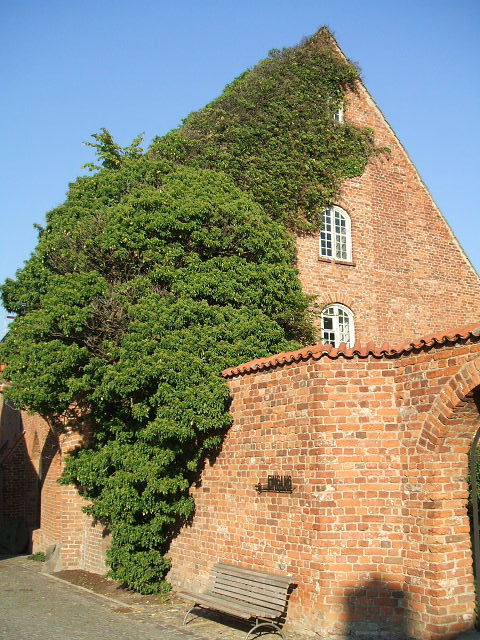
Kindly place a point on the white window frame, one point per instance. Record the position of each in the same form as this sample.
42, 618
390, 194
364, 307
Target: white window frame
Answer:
339, 116
340, 326
335, 240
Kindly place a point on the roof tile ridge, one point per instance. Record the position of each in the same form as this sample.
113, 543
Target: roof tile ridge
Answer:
440, 338
385, 349
318, 350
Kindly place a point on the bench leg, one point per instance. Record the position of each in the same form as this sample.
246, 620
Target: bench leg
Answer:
188, 613
264, 624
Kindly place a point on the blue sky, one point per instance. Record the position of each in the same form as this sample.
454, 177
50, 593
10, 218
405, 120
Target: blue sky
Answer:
72, 67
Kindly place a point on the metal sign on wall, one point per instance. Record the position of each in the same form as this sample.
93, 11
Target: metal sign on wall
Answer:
277, 484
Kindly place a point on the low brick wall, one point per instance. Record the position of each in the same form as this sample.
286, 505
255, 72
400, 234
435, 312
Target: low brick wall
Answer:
375, 533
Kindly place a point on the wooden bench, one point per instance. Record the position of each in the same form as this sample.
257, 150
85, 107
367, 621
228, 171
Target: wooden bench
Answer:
243, 593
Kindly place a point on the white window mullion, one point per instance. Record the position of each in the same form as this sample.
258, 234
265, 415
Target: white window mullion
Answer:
336, 321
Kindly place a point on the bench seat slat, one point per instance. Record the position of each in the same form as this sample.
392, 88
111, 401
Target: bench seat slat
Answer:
202, 598
257, 576
241, 599
230, 605
255, 609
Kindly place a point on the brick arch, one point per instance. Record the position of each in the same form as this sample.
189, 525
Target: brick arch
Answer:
337, 297
438, 549
344, 206
451, 396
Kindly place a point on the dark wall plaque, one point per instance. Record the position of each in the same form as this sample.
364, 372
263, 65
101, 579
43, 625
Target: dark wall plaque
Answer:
277, 484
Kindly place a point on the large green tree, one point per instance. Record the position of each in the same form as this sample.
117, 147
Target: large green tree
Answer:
145, 284
162, 269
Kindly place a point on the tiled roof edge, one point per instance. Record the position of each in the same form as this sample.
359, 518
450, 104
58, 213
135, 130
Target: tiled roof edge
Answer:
386, 350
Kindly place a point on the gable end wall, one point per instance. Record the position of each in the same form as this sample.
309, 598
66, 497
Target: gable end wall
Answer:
409, 275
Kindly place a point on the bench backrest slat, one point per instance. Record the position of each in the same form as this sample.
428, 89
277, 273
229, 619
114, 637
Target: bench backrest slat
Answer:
258, 576
269, 594
252, 587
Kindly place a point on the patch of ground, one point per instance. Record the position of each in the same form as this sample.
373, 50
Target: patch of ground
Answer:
167, 608
106, 587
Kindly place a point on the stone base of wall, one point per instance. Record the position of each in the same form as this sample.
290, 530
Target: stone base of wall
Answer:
89, 555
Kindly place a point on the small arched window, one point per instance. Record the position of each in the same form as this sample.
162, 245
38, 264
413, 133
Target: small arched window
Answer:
338, 325
336, 235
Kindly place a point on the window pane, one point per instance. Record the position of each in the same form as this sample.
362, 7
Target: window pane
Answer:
343, 327
325, 244
328, 323
341, 248
340, 225
328, 338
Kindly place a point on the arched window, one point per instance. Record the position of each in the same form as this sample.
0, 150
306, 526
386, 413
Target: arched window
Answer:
336, 235
338, 325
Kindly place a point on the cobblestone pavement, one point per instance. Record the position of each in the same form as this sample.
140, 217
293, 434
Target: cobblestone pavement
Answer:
35, 606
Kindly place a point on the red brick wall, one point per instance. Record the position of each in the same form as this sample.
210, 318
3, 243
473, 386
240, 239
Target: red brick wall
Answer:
376, 533
409, 277
96, 543
19, 465
29, 489
439, 395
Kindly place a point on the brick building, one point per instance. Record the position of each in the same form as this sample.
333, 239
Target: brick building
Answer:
32, 458
392, 264
376, 438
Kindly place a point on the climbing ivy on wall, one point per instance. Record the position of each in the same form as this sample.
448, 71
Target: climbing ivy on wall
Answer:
162, 269
273, 131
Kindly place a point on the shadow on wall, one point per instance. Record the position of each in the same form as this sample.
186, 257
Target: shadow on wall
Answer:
22, 474
377, 611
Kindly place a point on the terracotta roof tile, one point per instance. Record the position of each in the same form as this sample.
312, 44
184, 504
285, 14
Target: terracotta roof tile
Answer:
317, 351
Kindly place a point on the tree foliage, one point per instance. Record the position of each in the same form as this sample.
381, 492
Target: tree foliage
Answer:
162, 269
145, 284
109, 152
